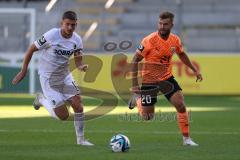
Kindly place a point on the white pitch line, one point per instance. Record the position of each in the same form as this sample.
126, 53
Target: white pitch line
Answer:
119, 131
29, 112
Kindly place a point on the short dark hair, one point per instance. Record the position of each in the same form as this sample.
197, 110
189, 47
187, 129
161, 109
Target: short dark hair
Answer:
166, 14
69, 15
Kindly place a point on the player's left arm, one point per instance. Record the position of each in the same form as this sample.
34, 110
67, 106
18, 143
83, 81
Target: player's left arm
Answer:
78, 60
185, 59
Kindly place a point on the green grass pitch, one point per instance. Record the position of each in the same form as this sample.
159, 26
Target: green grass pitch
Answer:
214, 125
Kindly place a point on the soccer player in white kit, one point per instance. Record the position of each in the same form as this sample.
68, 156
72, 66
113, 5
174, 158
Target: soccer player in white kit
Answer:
56, 47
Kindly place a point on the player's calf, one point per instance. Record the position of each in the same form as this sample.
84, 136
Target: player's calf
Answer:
177, 101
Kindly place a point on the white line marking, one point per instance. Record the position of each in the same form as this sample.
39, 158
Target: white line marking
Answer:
120, 131
28, 111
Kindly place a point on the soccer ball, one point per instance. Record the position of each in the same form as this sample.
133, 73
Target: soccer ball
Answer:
119, 143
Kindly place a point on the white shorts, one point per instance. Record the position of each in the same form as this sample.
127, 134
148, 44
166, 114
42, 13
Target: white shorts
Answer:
58, 91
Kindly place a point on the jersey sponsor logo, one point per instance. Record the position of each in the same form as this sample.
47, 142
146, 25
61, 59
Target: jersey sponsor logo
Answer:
53, 102
41, 41
63, 52
140, 47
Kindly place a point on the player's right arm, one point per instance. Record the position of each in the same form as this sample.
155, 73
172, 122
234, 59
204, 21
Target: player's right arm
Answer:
26, 62
41, 43
134, 70
141, 52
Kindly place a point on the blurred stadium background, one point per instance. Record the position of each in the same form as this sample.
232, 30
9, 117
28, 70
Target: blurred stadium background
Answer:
210, 31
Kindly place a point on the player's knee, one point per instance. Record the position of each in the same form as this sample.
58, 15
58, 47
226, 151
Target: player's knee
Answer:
146, 116
76, 104
63, 117
77, 108
145, 112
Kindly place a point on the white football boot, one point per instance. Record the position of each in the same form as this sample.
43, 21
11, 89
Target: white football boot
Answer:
133, 101
84, 142
187, 141
36, 102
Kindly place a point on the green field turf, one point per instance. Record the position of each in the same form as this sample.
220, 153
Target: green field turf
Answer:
214, 125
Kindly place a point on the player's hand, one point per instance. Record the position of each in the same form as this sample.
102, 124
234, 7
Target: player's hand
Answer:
199, 76
19, 77
83, 67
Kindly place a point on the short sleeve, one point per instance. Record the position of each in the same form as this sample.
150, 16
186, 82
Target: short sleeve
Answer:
80, 43
44, 40
144, 47
179, 47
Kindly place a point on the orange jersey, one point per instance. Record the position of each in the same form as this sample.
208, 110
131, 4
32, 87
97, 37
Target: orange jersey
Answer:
157, 54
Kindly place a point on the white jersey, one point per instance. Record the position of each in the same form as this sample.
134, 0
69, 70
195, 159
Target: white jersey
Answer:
55, 51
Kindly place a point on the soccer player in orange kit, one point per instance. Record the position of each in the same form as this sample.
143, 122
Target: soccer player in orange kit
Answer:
157, 50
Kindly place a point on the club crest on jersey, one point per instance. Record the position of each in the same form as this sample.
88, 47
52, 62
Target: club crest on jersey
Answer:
53, 102
41, 41
173, 49
74, 46
140, 47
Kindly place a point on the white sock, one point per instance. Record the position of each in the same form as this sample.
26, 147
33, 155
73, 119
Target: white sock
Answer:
79, 125
48, 107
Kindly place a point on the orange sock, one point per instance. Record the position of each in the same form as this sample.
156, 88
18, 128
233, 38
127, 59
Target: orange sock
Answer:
183, 123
